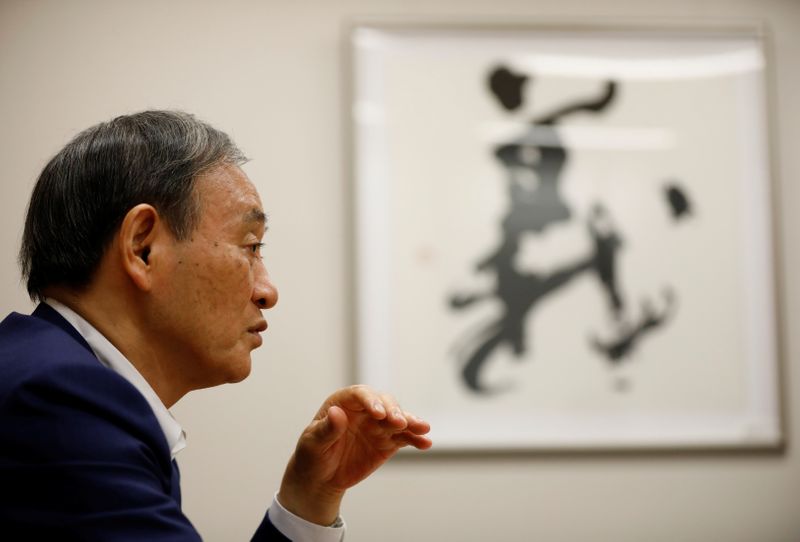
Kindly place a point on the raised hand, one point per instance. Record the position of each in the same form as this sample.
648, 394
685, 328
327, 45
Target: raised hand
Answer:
355, 431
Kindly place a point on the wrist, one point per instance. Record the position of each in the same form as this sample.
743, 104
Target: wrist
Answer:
314, 502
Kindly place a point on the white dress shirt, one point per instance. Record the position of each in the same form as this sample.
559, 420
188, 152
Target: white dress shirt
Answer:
293, 527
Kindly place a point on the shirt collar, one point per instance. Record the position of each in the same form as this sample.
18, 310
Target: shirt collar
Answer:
112, 358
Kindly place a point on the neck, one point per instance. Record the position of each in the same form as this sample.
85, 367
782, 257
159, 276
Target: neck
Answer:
118, 321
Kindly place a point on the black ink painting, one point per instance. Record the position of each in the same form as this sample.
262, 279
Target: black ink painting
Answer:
533, 165
563, 236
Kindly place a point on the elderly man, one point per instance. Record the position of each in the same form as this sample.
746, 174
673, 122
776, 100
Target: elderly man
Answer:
142, 243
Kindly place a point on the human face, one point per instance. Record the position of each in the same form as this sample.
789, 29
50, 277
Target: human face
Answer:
215, 284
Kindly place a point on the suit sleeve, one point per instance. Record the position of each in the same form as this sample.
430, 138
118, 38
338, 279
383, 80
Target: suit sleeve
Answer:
267, 532
285, 525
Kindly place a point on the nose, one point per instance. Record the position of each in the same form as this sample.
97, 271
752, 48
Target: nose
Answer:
265, 295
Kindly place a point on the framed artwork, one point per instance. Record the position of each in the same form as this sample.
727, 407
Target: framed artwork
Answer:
564, 234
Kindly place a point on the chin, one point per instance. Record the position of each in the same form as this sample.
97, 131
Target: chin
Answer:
239, 373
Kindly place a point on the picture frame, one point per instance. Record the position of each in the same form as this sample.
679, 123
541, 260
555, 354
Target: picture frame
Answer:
564, 233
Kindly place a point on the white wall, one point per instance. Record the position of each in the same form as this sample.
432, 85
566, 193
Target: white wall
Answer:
271, 74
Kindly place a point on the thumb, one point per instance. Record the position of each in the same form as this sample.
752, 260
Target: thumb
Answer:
327, 430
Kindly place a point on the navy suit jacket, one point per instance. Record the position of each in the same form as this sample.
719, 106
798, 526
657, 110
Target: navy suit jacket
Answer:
82, 456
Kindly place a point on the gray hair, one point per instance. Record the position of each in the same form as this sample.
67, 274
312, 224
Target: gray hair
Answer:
85, 191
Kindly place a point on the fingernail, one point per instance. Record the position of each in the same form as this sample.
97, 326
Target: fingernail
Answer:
379, 408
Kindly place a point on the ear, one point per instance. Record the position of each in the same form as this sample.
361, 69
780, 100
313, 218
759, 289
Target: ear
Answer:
140, 229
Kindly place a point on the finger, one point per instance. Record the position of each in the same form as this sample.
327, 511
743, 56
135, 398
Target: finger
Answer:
410, 439
395, 415
417, 425
361, 398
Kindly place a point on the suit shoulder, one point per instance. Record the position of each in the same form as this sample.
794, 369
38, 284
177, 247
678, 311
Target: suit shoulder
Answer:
29, 344
50, 381
82, 456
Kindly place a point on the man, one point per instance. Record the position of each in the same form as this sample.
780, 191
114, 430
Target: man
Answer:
142, 242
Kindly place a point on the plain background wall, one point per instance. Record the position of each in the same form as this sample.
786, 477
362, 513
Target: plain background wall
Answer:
272, 74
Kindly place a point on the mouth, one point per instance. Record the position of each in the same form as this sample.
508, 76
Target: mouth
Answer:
258, 328
255, 332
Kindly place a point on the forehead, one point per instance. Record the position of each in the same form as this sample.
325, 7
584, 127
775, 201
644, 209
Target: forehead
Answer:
225, 194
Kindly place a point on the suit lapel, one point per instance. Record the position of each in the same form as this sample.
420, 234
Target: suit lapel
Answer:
49, 314
175, 488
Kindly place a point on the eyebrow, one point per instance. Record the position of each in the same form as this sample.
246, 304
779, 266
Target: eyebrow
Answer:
256, 215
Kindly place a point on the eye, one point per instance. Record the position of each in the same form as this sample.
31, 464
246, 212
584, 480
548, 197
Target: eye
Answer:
255, 248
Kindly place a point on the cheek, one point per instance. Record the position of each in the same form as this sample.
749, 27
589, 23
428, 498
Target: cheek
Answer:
230, 282
213, 286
